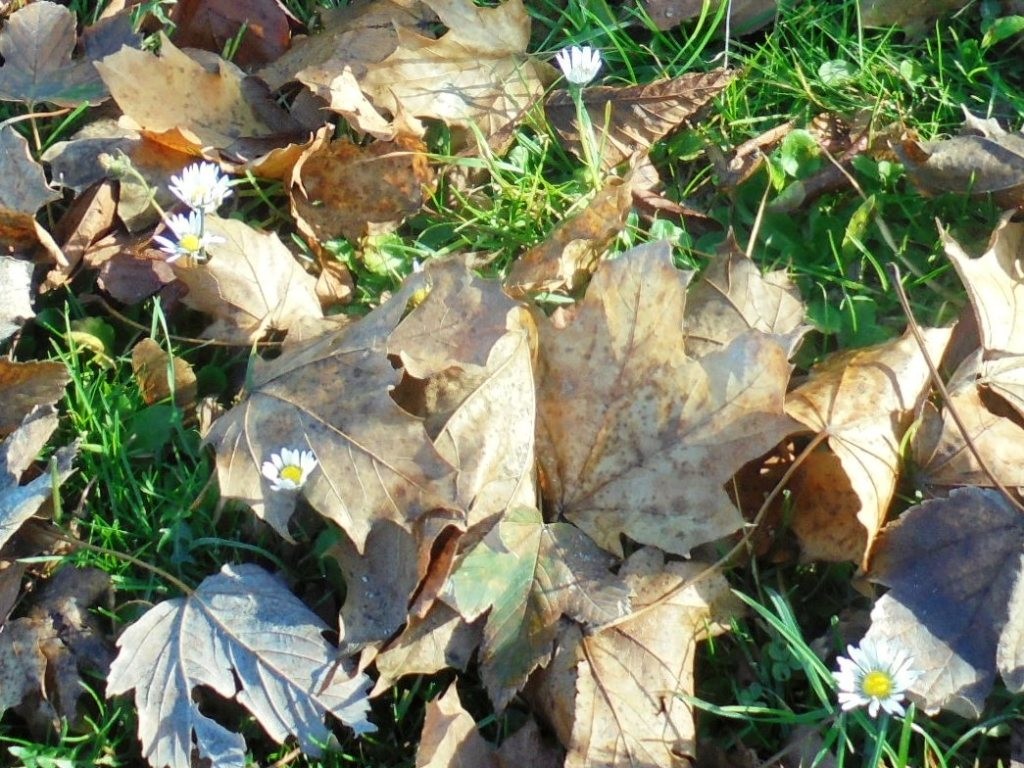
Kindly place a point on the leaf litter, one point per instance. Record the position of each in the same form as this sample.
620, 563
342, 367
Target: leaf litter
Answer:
506, 484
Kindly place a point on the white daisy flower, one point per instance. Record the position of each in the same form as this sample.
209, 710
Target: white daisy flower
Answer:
876, 675
579, 64
289, 470
202, 187
190, 239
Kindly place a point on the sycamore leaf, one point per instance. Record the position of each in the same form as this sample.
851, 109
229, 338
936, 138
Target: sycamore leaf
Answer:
529, 574
210, 24
637, 115
15, 294
331, 395
567, 258
23, 187
176, 101
36, 44
251, 284
20, 502
244, 635
864, 401
635, 438
476, 73
479, 398
732, 296
342, 188
613, 696
952, 566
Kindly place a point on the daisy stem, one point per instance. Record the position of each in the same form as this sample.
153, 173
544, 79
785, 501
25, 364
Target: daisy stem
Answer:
588, 140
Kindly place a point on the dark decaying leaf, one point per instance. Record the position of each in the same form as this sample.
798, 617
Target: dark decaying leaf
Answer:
529, 574
952, 566
912, 15
245, 636
36, 44
638, 115
331, 395
987, 160
636, 438
744, 15
211, 24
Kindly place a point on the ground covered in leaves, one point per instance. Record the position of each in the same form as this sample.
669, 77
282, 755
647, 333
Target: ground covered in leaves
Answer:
485, 417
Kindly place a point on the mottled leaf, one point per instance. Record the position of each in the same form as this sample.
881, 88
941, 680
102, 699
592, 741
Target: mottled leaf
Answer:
528, 574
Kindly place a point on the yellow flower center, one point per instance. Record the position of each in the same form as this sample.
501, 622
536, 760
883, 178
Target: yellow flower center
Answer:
292, 473
190, 242
877, 684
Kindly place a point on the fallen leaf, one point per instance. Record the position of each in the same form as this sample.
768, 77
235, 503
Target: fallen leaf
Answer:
994, 285
211, 24
528, 574
635, 438
161, 375
864, 401
36, 44
342, 189
613, 696
245, 636
952, 566
23, 386
24, 188
992, 162
567, 258
636, 115
250, 285
176, 101
941, 453
89, 218
449, 738
477, 73
732, 297
442, 639
913, 16
331, 395
47, 649
15, 295
334, 286
745, 16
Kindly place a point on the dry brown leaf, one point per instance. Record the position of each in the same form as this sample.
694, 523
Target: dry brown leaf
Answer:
449, 738
913, 16
176, 101
613, 696
342, 189
744, 15
567, 258
88, 219
863, 401
331, 395
442, 639
156, 371
943, 457
638, 115
361, 32
23, 386
36, 44
635, 438
23, 191
210, 24
334, 286
994, 285
250, 285
476, 73
732, 297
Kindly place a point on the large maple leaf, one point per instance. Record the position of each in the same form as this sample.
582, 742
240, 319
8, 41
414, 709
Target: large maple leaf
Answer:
637, 439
